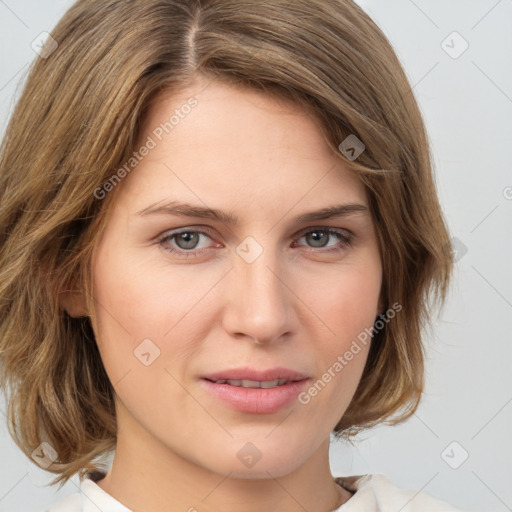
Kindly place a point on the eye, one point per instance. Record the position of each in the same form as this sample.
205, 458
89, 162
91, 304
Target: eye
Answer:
185, 242
318, 238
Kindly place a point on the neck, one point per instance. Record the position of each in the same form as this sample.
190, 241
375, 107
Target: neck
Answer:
147, 475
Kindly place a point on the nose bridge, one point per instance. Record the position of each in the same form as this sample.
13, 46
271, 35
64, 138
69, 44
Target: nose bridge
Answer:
259, 307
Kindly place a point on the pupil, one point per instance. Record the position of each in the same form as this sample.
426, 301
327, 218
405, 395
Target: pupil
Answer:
188, 239
322, 238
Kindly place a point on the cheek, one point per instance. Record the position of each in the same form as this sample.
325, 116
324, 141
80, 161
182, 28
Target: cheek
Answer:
347, 301
140, 298
347, 307
142, 328
141, 292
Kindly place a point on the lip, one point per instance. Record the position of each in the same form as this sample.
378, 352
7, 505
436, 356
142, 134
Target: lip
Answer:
256, 400
248, 373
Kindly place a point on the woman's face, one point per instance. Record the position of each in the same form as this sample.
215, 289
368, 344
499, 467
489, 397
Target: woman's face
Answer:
264, 291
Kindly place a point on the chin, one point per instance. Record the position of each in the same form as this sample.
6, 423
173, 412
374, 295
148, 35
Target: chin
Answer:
261, 470
258, 460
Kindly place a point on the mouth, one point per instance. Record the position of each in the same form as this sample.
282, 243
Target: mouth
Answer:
253, 391
252, 377
265, 384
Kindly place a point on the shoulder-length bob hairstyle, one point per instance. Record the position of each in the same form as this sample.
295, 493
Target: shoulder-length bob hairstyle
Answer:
79, 119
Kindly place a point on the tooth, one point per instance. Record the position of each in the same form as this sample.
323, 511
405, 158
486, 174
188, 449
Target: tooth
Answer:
254, 383
251, 384
270, 383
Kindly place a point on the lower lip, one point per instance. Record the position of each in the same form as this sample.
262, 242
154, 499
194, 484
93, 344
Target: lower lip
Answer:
256, 400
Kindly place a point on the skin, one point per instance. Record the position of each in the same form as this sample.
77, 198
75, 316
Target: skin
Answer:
296, 306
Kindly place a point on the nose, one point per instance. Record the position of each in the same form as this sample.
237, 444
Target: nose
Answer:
259, 301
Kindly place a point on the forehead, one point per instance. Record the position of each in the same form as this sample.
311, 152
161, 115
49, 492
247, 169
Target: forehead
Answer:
212, 141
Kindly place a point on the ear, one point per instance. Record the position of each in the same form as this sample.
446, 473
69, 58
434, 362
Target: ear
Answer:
73, 302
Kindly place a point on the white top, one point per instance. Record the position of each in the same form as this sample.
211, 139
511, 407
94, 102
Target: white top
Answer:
373, 493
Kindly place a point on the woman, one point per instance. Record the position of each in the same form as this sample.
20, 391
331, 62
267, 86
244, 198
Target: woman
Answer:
220, 242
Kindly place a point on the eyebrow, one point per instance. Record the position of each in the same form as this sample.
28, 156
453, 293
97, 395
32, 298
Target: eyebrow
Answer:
189, 210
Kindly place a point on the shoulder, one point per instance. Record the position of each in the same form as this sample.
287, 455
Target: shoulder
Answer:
375, 493
91, 498
72, 503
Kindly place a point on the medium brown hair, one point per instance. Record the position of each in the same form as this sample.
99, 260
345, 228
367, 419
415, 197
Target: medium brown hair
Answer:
79, 119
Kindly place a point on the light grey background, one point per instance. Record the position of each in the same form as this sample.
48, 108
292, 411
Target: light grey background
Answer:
466, 100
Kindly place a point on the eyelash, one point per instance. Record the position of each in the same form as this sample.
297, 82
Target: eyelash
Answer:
345, 239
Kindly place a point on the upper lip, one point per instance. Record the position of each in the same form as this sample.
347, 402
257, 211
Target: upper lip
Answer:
246, 373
